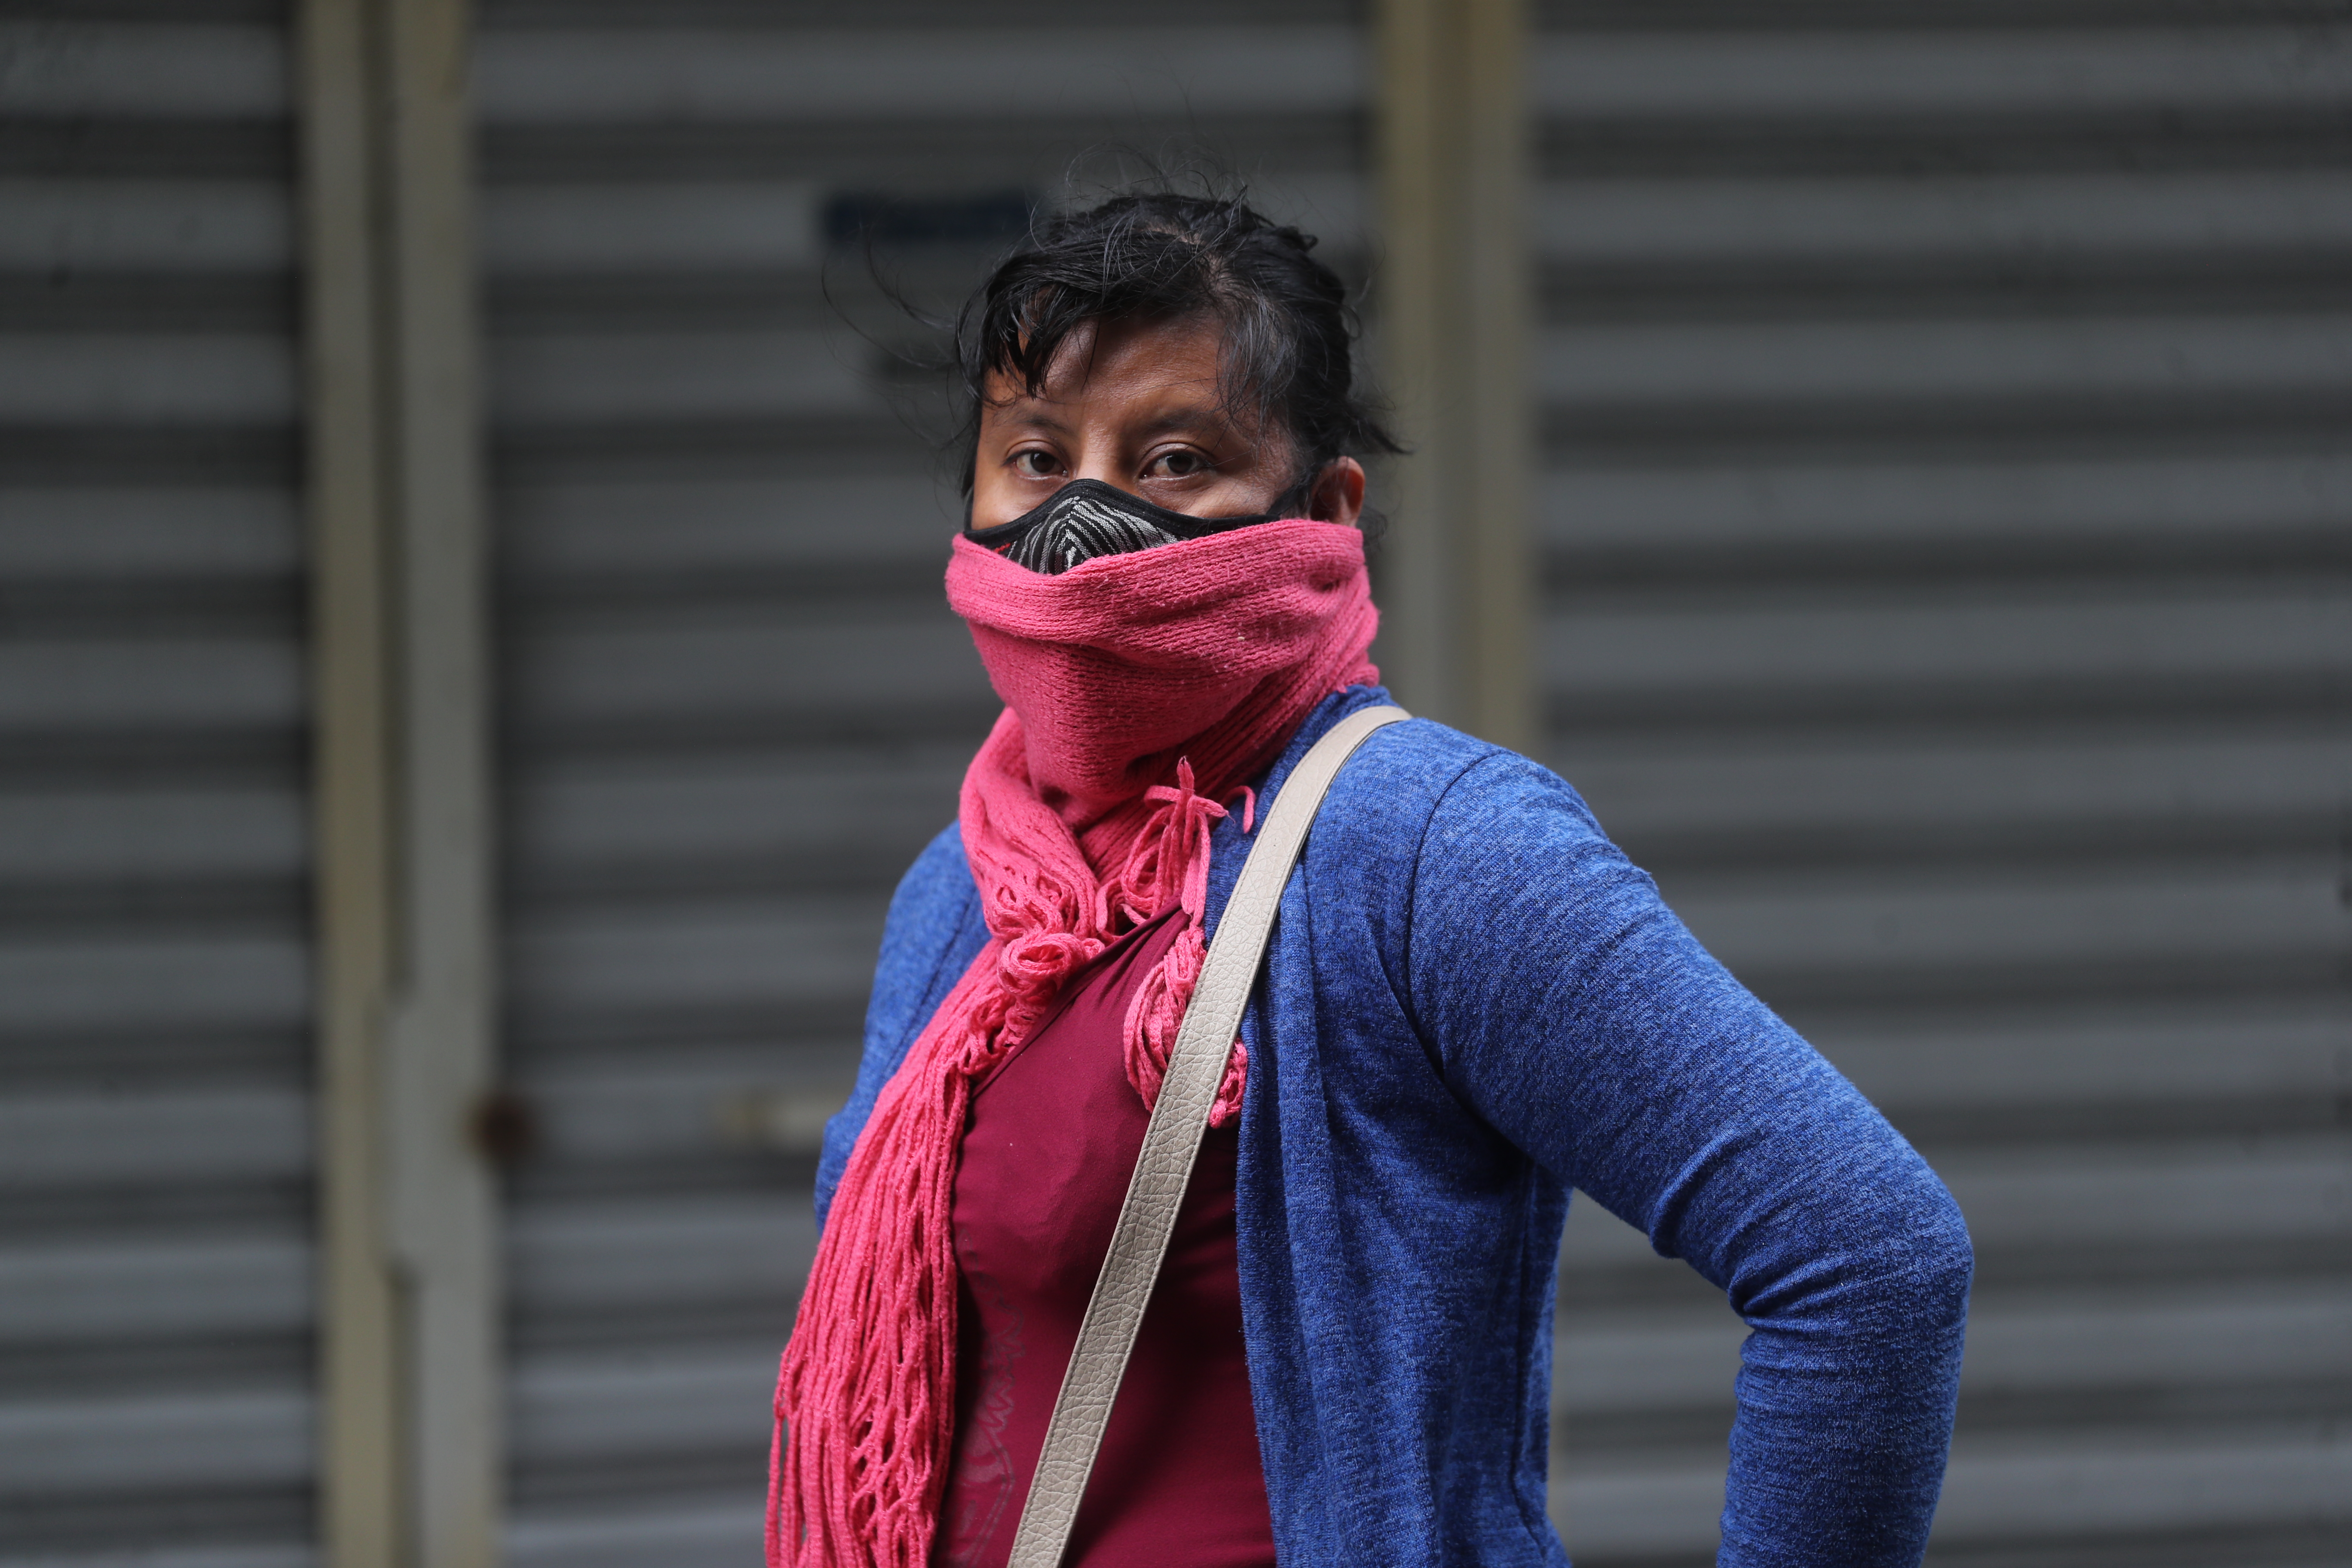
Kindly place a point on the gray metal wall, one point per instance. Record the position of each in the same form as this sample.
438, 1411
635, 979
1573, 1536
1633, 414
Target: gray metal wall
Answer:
154, 1231
1946, 514
736, 704
1945, 511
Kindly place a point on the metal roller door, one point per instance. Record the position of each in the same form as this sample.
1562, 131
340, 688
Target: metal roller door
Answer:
734, 703
155, 1234
1946, 509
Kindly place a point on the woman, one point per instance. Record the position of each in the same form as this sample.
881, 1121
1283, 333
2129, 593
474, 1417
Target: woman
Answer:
1471, 1004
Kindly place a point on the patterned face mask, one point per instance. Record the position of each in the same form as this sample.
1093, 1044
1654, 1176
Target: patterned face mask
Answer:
1087, 518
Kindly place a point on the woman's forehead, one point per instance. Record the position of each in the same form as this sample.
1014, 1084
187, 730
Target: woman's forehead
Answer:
1097, 351
1163, 370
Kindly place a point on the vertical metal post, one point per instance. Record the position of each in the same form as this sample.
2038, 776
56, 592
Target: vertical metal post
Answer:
409, 1357
1455, 313
351, 764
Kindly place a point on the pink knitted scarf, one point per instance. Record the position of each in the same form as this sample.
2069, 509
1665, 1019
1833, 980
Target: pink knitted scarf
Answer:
1140, 691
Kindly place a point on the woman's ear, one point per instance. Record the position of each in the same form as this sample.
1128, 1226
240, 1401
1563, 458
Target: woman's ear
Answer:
1338, 493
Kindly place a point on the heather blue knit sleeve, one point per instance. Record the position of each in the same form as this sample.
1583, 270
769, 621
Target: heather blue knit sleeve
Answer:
1570, 1007
932, 933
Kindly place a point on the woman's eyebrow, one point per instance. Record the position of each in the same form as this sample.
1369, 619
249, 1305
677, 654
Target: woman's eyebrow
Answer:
1188, 416
1031, 413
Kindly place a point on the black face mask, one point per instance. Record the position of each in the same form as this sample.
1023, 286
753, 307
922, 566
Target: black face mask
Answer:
1087, 518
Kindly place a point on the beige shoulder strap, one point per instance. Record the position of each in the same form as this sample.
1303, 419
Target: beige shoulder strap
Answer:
1195, 1067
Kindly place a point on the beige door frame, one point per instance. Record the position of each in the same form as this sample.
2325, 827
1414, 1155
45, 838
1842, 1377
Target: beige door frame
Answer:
410, 1384
1456, 318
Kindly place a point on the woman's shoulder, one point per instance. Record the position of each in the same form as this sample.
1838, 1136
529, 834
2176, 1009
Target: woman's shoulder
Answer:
1412, 779
939, 884
1426, 826
934, 912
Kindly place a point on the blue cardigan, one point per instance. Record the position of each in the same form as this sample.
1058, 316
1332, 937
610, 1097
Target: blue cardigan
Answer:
1471, 1003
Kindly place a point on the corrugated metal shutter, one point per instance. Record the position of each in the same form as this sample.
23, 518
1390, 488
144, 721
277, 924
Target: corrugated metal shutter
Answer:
735, 704
155, 1234
1946, 512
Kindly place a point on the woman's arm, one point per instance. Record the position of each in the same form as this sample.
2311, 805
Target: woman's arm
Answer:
1570, 1007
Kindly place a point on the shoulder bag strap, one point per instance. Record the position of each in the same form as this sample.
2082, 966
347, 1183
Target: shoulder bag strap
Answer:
1196, 1065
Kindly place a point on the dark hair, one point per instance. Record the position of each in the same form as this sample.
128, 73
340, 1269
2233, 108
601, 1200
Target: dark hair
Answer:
1289, 332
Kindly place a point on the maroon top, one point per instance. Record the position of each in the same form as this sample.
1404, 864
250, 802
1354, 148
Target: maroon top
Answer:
1046, 1156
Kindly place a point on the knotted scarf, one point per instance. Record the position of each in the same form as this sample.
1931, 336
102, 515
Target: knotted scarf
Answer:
1141, 691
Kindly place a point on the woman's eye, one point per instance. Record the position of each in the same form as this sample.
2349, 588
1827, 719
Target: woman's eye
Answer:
1178, 465
1034, 464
